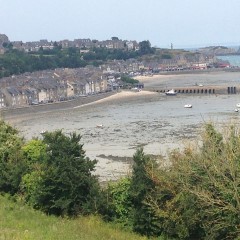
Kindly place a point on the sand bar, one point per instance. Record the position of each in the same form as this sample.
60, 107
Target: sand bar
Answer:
125, 94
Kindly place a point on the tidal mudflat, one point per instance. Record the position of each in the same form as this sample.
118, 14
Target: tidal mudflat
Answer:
113, 128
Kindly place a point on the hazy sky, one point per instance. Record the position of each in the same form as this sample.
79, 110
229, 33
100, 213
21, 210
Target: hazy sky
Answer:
162, 22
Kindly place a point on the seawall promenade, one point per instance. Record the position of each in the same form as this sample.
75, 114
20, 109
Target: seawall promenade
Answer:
50, 107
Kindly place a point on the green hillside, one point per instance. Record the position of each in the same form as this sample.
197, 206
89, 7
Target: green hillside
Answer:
20, 222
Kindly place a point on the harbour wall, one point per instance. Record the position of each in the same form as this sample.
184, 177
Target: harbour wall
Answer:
200, 90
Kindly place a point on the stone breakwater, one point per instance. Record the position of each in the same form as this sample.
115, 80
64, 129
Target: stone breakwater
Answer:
8, 113
201, 90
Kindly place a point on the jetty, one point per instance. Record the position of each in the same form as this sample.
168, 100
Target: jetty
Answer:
223, 89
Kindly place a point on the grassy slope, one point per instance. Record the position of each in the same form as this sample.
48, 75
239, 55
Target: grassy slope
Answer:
19, 222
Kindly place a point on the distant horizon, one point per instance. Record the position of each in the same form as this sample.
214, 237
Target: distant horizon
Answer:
175, 46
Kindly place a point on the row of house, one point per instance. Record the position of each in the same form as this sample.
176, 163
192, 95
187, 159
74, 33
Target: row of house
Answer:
45, 89
78, 43
179, 62
87, 43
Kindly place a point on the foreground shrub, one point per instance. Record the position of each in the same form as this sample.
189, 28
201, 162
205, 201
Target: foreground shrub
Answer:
126, 198
119, 202
145, 221
62, 183
198, 197
12, 163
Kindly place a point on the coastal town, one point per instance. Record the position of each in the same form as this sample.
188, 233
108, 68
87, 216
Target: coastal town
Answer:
119, 120
63, 84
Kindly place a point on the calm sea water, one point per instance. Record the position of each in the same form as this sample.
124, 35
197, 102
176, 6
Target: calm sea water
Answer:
233, 60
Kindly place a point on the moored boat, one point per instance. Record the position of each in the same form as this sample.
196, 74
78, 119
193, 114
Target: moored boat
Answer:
171, 92
188, 105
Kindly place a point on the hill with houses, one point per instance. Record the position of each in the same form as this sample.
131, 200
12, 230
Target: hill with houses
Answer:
86, 67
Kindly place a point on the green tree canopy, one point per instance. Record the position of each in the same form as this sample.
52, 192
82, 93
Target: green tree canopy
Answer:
12, 164
145, 48
197, 197
64, 184
145, 220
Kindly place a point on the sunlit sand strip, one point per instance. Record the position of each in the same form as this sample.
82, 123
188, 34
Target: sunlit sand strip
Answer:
144, 79
118, 96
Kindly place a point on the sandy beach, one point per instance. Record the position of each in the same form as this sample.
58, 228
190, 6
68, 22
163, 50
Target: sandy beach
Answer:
145, 79
121, 95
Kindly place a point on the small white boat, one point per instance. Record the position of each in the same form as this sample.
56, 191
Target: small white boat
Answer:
188, 105
236, 110
171, 92
136, 89
238, 105
199, 84
99, 126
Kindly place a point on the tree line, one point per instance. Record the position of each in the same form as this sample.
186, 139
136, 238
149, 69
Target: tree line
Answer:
15, 62
197, 196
